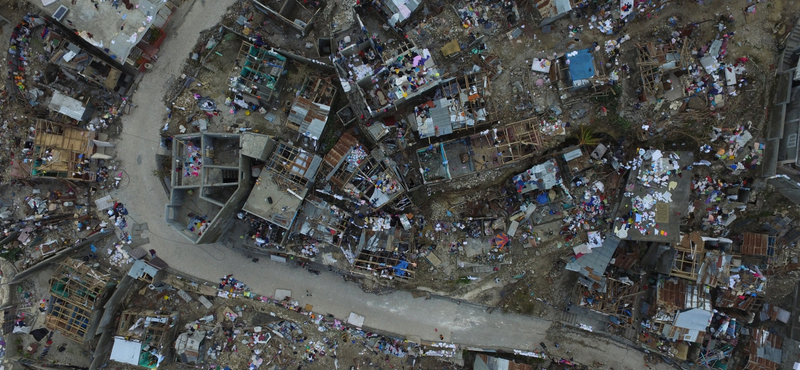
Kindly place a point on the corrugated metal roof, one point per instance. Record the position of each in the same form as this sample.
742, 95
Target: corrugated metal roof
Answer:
577, 153
310, 116
158, 263
313, 167
562, 6
140, 268
340, 149
694, 319
755, 244
764, 350
440, 115
67, 106
126, 351
593, 265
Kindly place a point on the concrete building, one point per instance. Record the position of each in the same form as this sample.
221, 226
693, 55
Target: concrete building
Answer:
213, 173
781, 148
282, 185
128, 37
654, 207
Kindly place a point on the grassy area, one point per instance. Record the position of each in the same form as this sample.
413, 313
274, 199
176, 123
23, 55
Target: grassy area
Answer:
11, 255
611, 103
521, 301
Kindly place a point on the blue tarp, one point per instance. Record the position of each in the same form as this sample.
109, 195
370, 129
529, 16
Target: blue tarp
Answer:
398, 269
519, 182
581, 66
542, 198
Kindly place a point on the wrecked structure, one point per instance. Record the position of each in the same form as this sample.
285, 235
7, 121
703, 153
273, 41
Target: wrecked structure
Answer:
143, 337
258, 78
70, 57
77, 295
383, 76
65, 152
459, 103
131, 49
298, 15
656, 66
310, 109
281, 187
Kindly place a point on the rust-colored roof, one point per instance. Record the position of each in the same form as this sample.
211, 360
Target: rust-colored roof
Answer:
158, 263
626, 260
731, 300
755, 244
686, 243
336, 154
762, 338
672, 294
341, 148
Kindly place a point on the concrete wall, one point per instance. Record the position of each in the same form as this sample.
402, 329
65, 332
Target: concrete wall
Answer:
30, 271
287, 8
220, 222
91, 49
322, 63
106, 326
173, 209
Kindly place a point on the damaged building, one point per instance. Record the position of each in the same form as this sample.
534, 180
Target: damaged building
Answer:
298, 15
383, 77
75, 61
458, 104
285, 178
378, 182
311, 108
143, 338
77, 295
215, 172
657, 66
131, 49
257, 81
65, 152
